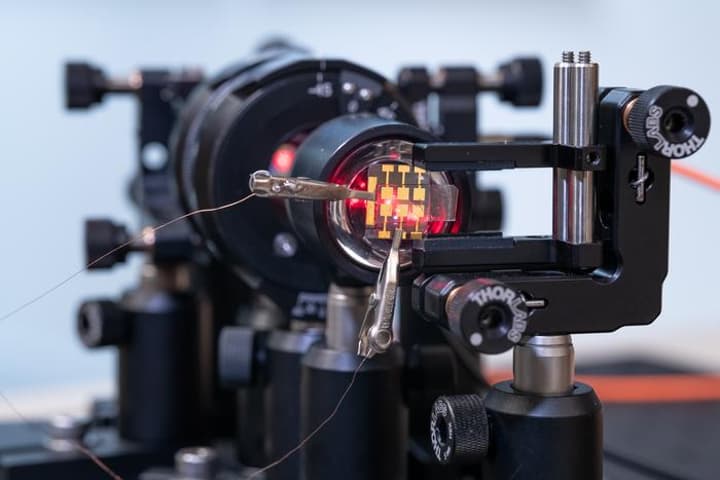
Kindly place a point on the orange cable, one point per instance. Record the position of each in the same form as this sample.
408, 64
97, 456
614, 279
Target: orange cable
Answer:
657, 388
696, 175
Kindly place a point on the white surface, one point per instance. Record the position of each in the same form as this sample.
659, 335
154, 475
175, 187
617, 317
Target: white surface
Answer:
58, 168
45, 401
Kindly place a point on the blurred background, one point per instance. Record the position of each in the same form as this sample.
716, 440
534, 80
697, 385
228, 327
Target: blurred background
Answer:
59, 168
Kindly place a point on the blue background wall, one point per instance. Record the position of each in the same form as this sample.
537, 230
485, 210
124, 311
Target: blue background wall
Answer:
57, 168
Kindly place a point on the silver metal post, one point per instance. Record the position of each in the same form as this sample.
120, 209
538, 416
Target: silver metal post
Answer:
196, 463
575, 102
65, 432
544, 365
346, 308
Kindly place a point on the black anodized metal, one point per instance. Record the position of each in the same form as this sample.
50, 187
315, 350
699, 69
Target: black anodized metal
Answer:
491, 250
321, 155
543, 437
501, 156
27, 457
627, 288
268, 105
285, 353
158, 372
371, 420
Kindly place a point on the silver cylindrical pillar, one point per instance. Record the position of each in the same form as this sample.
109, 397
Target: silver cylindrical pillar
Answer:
346, 307
196, 463
575, 101
544, 365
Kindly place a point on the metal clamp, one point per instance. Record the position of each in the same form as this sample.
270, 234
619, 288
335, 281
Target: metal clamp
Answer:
377, 335
264, 184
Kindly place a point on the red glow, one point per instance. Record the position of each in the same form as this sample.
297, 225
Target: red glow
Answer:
355, 203
283, 159
434, 224
435, 227
357, 206
439, 224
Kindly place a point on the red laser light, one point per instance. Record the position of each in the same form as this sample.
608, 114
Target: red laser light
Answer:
283, 159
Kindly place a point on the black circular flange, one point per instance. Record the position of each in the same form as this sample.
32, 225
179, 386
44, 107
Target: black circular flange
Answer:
233, 125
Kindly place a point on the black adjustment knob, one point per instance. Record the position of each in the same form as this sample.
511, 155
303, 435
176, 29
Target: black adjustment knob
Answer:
671, 121
101, 323
414, 83
522, 82
488, 315
487, 210
101, 237
459, 429
85, 85
461, 80
236, 348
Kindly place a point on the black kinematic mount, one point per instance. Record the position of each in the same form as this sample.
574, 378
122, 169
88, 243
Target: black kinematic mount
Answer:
242, 334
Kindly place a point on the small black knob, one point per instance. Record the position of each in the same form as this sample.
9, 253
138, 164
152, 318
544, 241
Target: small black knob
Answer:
487, 210
414, 83
671, 121
488, 315
103, 241
236, 353
459, 429
101, 323
85, 85
522, 82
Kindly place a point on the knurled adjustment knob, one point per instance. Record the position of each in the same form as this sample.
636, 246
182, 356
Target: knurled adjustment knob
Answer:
488, 315
85, 85
101, 323
459, 429
414, 83
103, 239
671, 121
236, 353
522, 82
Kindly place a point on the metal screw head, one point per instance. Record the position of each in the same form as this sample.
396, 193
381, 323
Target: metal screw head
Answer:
476, 339
196, 463
67, 427
348, 88
154, 156
365, 94
285, 245
65, 432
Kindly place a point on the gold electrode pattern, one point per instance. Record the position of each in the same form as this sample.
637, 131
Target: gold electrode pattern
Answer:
402, 203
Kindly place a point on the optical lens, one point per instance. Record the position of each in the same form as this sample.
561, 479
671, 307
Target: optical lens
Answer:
363, 228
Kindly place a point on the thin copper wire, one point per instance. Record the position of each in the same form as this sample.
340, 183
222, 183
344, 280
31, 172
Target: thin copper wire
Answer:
146, 231
317, 429
683, 170
78, 446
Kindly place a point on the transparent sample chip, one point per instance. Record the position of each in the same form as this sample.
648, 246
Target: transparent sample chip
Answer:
406, 200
